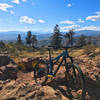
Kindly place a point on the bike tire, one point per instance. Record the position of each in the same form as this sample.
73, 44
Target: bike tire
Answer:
40, 71
77, 81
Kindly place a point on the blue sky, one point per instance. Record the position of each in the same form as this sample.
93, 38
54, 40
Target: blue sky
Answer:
42, 15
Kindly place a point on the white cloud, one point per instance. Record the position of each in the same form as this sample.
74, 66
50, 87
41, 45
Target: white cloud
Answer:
4, 6
25, 27
92, 27
79, 28
24, 0
41, 21
26, 19
16, 1
12, 12
69, 5
67, 22
66, 28
94, 18
72, 26
97, 13
80, 20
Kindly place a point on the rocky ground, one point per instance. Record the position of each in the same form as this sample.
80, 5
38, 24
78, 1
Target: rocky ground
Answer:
90, 66
17, 85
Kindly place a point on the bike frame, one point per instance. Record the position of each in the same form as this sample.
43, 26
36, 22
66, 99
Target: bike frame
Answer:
64, 55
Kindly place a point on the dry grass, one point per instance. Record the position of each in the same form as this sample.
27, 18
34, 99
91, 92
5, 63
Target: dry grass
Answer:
78, 52
25, 54
17, 54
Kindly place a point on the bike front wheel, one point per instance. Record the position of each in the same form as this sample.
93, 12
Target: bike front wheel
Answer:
76, 82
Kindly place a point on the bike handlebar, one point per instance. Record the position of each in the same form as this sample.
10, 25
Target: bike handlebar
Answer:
65, 47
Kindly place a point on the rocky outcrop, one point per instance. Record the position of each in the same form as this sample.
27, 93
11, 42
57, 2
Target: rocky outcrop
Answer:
8, 72
27, 64
22, 90
8, 68
5, 59
25, 88
90, 66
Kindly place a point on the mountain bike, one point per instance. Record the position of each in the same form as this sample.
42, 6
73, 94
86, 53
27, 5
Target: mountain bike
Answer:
46, 70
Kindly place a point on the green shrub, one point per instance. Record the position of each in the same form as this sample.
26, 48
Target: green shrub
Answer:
89, 49
13, 51
20, 47
2, 46
42, 51
30, 49
27, 66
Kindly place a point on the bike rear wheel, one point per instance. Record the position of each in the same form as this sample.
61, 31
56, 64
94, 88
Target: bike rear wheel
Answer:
41, 71
76, 82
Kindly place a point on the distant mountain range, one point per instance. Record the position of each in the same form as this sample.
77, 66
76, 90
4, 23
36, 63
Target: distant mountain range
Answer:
88, 33
12, 35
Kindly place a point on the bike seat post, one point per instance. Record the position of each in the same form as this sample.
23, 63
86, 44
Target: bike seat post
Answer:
67, 53
51, 64
49, 53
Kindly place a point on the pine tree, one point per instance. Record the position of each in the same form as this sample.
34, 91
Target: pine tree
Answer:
19, 41
89, 40
28, 38
70, 37
82, 40
56, 39
34, 40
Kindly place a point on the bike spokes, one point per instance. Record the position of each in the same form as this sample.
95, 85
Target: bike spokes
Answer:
40, 72
76, 82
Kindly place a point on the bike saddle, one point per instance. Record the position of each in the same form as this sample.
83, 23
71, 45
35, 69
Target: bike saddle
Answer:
52, 46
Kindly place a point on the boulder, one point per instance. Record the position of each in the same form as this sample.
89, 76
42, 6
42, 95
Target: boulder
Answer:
27, 64
5, 60
15, 91
8, 72
90, 67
